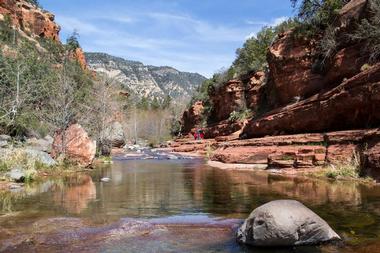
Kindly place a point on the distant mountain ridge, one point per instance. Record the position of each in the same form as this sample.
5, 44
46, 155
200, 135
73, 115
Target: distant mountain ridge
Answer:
145, 80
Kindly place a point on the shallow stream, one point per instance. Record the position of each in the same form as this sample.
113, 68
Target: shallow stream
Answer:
175, 206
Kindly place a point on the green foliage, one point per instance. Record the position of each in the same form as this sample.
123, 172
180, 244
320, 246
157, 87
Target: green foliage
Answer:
31, 86
368, 31
72, 42
350, 169
6, 31
240, 115
155, 104
318, 13
252, 56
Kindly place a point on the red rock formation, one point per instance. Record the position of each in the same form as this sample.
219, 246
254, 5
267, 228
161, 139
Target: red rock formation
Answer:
75, 144
291, 60
79, 55
226, 99
340, 96
353, 104
192, 117
300, 151
223, 128
30, 19
254, 90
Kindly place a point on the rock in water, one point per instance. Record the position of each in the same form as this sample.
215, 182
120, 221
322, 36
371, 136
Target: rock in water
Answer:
284, 223
79, 147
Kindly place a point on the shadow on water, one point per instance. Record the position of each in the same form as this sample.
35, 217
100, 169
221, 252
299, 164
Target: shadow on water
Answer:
184, 206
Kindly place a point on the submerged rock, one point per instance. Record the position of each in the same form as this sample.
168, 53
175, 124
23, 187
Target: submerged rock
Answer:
284, 223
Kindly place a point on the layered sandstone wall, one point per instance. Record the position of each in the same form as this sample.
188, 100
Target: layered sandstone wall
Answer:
305, 114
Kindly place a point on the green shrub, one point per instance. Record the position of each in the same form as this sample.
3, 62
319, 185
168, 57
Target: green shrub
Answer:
318, 14
252, 56
368, 31
350, 169
240, 115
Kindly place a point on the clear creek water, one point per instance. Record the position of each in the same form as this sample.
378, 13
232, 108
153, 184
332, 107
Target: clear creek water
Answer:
175, 206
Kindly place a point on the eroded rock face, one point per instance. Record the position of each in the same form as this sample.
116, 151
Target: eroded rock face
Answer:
30, 19
226, 99
192, 117
285, 223
75, 143
352, 105
254, 90
295, 71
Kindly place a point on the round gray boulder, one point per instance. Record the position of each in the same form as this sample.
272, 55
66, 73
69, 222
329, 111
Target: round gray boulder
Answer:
284, 223
114, 133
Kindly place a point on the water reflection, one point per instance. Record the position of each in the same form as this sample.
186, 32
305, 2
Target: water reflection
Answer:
167, 189
76, 193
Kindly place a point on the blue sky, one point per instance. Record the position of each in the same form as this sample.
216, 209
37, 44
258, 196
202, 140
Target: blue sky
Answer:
190, 35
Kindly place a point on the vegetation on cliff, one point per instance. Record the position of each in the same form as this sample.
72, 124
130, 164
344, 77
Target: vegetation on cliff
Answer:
317, 22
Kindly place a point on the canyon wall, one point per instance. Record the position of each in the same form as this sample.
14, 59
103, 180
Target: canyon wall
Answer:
307, 110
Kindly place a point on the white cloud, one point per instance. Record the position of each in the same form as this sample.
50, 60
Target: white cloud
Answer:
273, 22
203, 30
279, 20
160, 38
70, 24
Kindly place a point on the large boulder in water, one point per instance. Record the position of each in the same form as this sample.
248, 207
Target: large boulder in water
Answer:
284, 223
75, 144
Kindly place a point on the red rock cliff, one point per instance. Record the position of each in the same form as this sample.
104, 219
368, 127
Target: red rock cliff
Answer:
30, 19
192, 117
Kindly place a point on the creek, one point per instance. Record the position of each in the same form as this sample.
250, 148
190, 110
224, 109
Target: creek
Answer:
175, 206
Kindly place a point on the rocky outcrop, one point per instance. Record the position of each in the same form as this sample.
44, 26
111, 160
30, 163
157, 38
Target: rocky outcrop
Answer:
254, 90
285, 223
81, 58
296, 72
226, 99
302, 151
192, 117
223, 128
353, 104
30, 19
74, 144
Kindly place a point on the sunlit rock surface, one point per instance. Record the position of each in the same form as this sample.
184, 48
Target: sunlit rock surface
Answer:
285, 223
